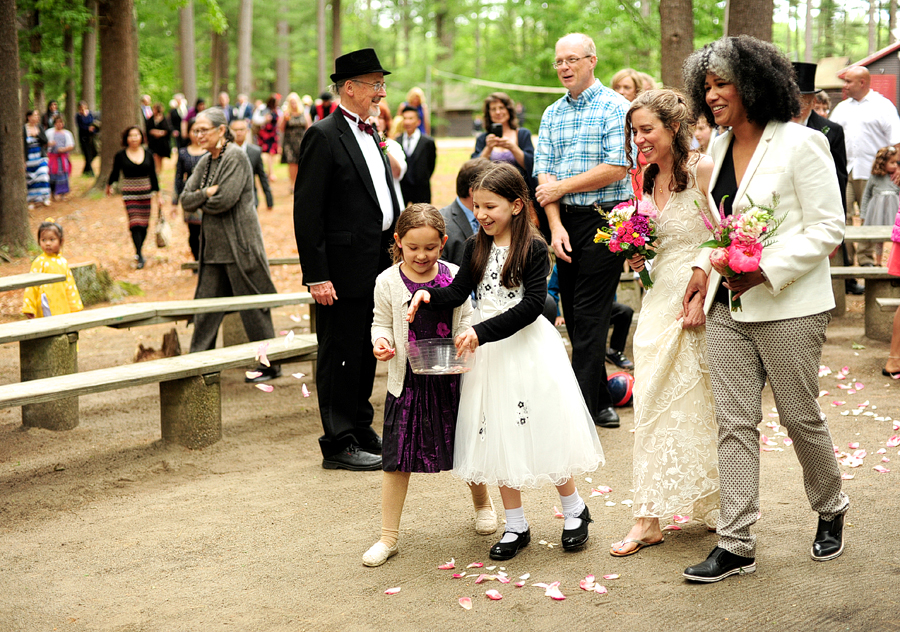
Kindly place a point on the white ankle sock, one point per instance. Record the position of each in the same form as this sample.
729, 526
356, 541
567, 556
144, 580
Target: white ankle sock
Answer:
515, 523
572, 506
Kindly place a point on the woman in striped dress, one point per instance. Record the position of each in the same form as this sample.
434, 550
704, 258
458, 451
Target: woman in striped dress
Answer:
37, 172
135, 165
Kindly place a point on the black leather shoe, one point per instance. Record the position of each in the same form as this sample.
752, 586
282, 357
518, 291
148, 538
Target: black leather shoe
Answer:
852, 286
373, 446
618, 358
576, 538
719, 565
508, 550
829, 542
353, 459
607, 418
266, 373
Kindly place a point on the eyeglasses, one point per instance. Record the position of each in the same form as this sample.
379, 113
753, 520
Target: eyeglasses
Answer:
202, 131
571, 61
378, 86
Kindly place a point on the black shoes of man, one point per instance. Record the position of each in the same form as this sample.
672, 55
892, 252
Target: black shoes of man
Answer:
364, 458
607, 418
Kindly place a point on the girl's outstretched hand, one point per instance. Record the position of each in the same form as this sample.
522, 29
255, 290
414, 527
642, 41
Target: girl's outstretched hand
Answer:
382, 350
466, 341
422, 296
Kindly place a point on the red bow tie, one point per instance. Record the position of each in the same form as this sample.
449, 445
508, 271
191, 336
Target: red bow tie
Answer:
363, 127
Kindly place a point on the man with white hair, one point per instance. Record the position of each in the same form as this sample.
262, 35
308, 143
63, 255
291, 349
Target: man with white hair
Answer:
580, 165
870, 122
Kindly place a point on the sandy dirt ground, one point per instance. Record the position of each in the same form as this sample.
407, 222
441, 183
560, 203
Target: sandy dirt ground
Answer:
105, 528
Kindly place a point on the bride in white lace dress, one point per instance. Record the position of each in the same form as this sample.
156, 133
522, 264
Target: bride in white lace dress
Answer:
675, 463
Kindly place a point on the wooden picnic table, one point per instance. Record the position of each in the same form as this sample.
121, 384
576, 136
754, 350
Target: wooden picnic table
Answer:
29, 279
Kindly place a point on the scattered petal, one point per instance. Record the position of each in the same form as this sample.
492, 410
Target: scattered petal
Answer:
859, 386
884, 459
587, 583
295, 318
283, 332
847, 477
446, 566
557, 513
554, 593
261, 353
466, 602
481, 578
628, 502
603, 489
881, 451
844, 387
679, 520
490, 568
458, 575
392, 591
610, 503
550, 546
542, 542
502, 579
475, 565
881, 469
299, 376
265, 388
541, 585
613, 576
893, 442
766, 440
588, 479
600, 590
788, 441
853, 445
304, 390
289, 338
519, 584
838, 402
252, 374
824, 370
823, 393
525, 576
671, 527
860, 454
493, 595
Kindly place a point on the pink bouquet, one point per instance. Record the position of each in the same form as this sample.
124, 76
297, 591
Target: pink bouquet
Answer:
739, 239
632, 230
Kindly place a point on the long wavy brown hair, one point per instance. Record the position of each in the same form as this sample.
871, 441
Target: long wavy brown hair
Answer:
505, 180
671, 108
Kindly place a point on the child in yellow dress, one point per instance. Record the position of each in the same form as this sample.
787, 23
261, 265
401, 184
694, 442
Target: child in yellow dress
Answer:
51, 299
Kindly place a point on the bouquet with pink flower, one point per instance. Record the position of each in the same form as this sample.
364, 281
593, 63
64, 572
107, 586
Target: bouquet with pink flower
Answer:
632, 230
739, 239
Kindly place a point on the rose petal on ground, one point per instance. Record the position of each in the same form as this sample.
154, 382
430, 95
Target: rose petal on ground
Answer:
603, 489
490, 568
261, 353
824, 370
265, 388
788, 441
893, 442
465, 602
550, 546
587, 583
884, 459
458, 575
838, 402
588, 479
554, 593
519, 584
304, 390
501, 579
556, 513
475, 565
595, 493
671, 527
299, 376
446, 566
613, 576
252, 374
844, 387
610, 503
493, 595
600, 590
283, 332
847, 477
680, 519
289, 338
525, 576
860, 454
823, 393
853, 445
542, 542
481, 578
859, 386
881, 451
881, 469
392, 591
295, 318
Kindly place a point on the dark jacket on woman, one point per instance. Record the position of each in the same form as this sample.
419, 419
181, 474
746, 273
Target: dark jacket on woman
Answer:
42, 140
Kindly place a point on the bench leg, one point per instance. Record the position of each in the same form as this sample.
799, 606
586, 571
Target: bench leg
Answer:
191, 411
878, 323
49, 357
233, 330
839, 287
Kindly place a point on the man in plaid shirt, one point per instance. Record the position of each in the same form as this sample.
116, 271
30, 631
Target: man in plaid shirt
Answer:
580, 164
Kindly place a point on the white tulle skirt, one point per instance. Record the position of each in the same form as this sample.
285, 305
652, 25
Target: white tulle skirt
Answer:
522, 419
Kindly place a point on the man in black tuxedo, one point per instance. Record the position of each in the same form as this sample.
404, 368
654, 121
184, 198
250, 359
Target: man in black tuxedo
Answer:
806, 81
421, 155
458, 215
240, 127
345, 210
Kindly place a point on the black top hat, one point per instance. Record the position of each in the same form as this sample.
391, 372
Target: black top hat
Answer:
806, 77
359, 62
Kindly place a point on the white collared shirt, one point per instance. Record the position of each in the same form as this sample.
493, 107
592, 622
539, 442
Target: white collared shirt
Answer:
375, 162
869, 124
410, 142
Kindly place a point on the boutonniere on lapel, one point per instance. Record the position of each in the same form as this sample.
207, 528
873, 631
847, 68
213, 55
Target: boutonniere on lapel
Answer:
382, 142
739, 239
825, 130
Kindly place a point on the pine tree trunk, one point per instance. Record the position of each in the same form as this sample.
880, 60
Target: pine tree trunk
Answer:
283, 61
321, 47
13, 212
71, 104
36, 42
188, 52
118, 93
751, 17
89, 57
215, 71
892, 21
676, 23
336, 28
872, 43
244, 47
808, 34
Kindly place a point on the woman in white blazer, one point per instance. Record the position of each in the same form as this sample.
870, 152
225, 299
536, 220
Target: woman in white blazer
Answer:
749, 86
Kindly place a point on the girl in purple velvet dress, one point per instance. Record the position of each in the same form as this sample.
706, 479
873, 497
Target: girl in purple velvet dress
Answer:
419, 410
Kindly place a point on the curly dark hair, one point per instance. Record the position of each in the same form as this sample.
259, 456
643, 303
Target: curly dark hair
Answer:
500, 97
128, 131
762, 75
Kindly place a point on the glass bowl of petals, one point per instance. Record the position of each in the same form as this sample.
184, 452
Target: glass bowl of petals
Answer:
438, 356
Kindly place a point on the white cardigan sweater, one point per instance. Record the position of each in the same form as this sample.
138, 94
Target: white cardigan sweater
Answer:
391, 302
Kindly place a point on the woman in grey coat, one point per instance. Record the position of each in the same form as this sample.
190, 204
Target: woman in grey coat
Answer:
233, 258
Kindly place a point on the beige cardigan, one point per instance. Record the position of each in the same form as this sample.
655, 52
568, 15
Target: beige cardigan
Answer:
391, 302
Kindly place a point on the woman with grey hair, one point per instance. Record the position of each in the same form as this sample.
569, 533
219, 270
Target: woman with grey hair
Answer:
233, 258
748, 86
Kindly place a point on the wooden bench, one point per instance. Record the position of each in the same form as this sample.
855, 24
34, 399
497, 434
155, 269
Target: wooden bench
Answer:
189, 388
29, 279
48, 347
277, 261
879, 284
888, 304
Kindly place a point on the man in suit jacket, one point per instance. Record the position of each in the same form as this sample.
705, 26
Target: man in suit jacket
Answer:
459, 217
239, 127
345, 210
421, 155
806, 80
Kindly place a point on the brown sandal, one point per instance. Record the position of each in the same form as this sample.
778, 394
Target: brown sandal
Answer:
640, 544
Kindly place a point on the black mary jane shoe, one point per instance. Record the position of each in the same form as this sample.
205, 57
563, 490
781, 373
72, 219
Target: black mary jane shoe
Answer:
829, 542
508, 550
576, 538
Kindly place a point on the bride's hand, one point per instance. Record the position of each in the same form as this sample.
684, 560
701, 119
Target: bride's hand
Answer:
637, 262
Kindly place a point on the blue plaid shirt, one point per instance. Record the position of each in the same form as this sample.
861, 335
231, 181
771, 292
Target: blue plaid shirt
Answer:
576, 135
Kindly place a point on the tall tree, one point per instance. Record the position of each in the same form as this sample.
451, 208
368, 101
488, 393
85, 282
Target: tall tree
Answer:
808, 34
187, 52
322, 52
751, 17
336, 44
872, 37
14, 232
283, 58
892, 21
676, 34
69, 50
244, 47
119, 94
89, 56
36, 41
